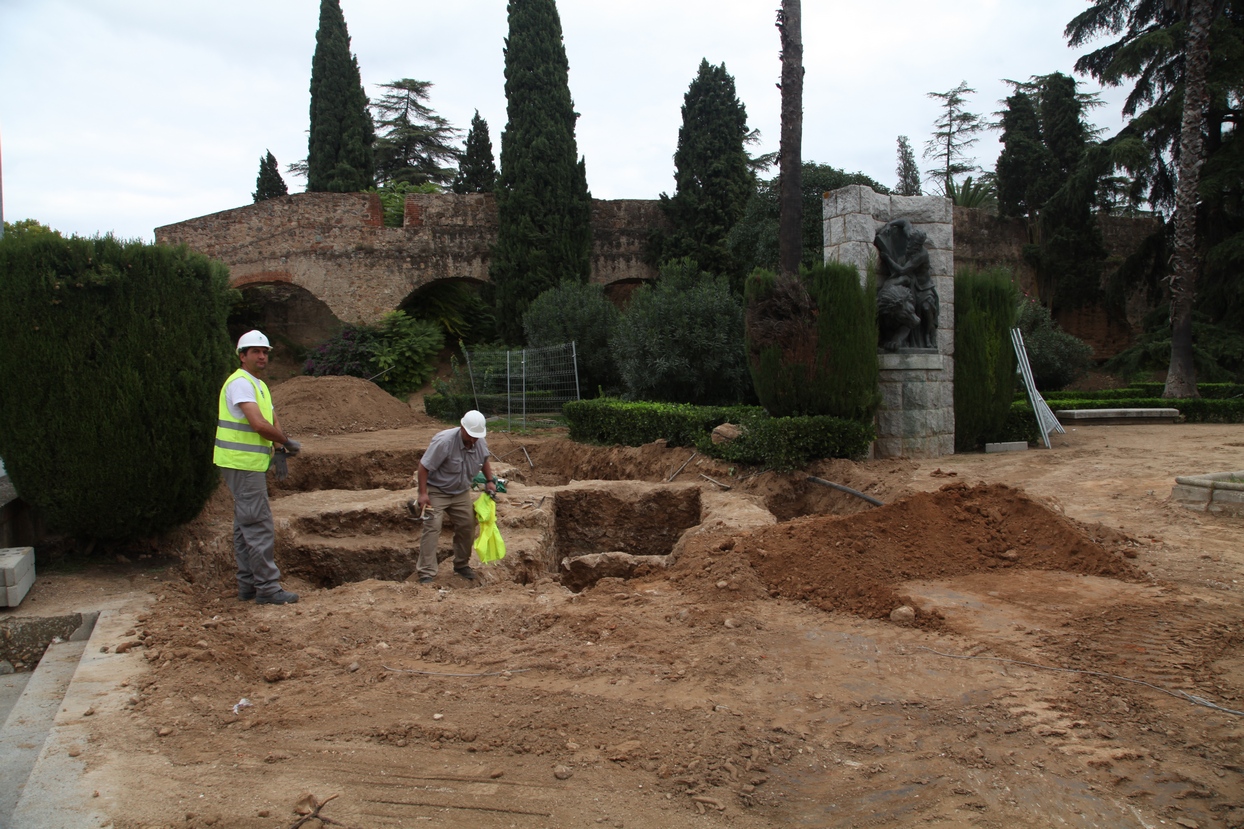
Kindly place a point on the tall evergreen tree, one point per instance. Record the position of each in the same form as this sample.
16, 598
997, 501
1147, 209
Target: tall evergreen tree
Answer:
906, 170
790, 241
269, 184
955, 133
544, 209
339, 150
1022, 168
415, 144
711, 171
477, 171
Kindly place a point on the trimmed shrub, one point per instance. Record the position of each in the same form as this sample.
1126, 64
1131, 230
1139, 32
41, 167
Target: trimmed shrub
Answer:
579, 313
778, 443
985, 312
1057, 358
112, 355
681, 340
812, 342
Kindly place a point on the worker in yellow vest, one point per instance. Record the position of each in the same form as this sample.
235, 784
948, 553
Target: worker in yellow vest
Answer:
246, 429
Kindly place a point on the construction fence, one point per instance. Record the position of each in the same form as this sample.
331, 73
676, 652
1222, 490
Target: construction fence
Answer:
516, 384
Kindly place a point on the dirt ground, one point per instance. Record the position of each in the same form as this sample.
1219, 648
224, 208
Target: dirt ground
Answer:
1064, 642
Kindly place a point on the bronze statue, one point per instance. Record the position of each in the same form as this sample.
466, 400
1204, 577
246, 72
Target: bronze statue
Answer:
907, 304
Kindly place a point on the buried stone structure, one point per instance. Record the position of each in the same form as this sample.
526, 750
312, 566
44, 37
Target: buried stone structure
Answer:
909, 242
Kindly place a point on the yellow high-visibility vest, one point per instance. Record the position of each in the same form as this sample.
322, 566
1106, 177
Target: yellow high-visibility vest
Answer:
238, 445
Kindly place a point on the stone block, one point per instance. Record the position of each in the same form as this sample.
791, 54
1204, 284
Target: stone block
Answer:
917, 396
891, 396
860, 227
853, 253
836, 230
910, 361
17, 573
941, 236
878, 206
888, 447
1009, 446
942, 263
922, 210
890, 424
844, 200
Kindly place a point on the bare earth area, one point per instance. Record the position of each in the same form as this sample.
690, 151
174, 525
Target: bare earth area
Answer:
1071, 652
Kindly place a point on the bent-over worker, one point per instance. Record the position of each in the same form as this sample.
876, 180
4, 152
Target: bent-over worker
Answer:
452, 459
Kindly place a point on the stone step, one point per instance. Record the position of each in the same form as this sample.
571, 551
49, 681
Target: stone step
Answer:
1100, 417
29, 722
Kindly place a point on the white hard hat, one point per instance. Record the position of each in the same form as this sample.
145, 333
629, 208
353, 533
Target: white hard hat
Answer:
253, 339
474, 424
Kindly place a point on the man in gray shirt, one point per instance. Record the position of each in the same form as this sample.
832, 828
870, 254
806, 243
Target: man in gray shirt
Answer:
452, 459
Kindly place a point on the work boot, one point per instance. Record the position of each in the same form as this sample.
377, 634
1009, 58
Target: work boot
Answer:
427, 579
279, 597
466, 572
246, 595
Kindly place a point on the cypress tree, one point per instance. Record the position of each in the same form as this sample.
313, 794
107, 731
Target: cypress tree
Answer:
477, 172
269, 184
544, 209
711, 171
986, 308
339, 150
414, 143
119, 350
907, 171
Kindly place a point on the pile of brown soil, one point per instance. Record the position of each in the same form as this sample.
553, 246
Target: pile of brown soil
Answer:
858, 563
337, 406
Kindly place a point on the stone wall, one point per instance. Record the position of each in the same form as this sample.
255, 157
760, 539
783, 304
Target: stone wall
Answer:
916, 418
336, 247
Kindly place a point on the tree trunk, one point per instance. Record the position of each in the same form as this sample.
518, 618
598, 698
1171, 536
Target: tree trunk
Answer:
790, 220
1181, 377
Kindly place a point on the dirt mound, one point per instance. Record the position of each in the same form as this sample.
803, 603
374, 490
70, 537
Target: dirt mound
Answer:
857, 563
338, 406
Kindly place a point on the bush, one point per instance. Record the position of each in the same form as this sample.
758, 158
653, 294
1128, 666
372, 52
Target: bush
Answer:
681, 341
399, 354
812, 342
778, 443
1057, 358
579, 313
1217, 351
985, 311
112, 355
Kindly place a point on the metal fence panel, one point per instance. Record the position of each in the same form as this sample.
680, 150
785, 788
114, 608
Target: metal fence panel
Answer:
517, 383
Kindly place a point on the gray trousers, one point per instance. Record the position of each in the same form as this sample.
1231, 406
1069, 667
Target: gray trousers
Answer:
461, 511
254, 541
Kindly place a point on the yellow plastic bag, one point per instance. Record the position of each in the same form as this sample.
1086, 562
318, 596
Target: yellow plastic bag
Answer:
488, 546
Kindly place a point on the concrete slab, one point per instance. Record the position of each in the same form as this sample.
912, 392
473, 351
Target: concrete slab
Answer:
12, 596
1008, 446
1094, 417
1216, 492
15, 563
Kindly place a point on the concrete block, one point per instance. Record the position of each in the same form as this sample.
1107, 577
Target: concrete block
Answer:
922, 210
1010, 446
13, 595
15, 562
860, 227
835, 230
1087, 417
878, 205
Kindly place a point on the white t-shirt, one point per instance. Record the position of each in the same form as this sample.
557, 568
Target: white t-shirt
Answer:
239, 391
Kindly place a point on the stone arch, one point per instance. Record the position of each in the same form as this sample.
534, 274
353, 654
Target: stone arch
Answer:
294, 318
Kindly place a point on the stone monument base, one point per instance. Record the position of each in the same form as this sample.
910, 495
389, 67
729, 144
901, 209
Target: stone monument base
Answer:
916, 418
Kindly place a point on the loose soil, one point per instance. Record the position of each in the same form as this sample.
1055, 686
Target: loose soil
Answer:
1065, 620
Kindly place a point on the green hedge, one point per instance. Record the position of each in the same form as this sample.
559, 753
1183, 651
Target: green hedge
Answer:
451, 407
1021, 424
1194, 410
985, 311
1209, 391
609, 420
779, 443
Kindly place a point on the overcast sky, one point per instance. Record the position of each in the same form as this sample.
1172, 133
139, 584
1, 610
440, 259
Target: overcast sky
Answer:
124, 115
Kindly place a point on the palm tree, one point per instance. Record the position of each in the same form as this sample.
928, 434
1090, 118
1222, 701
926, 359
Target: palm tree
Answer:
790, 221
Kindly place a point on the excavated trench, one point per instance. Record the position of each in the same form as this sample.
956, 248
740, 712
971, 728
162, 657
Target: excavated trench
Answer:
572, 513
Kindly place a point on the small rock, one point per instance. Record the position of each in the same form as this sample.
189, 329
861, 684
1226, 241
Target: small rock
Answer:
438, 716
75, 751
273, 675
1188, 823
263, 813
495, 773
730, 623
104, 649
1009, 555
903, 615
90, 712
723, 584
126, 647
725, 433
562, 772
6, 667
165, 731
354, 666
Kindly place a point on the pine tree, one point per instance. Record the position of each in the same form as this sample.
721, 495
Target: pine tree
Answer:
339, 150
414, 143
544, 209
477, 172
269, 184
956, 128
907, 171
711, 171
1022, 168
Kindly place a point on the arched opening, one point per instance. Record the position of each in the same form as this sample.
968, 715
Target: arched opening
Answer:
294, 319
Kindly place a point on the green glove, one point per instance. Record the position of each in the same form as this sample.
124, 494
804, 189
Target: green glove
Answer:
479, 480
